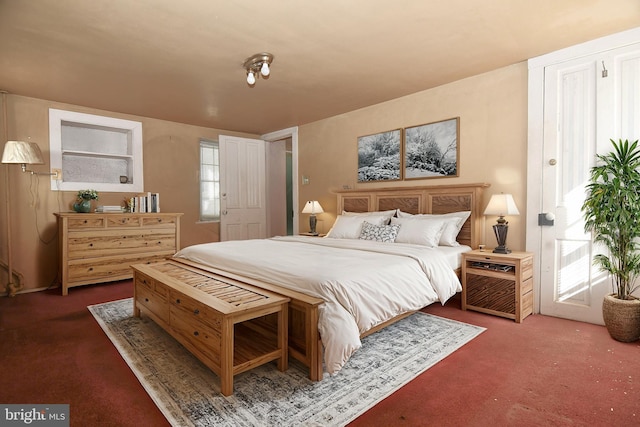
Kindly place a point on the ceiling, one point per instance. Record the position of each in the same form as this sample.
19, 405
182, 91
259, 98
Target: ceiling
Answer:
182, 60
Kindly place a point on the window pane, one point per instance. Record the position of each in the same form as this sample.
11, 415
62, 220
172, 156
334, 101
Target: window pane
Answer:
207, 155
209, 181
207, 172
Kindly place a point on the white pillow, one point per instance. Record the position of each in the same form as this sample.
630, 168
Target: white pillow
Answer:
452, 228
379, 233
387, 214
350, 226
419, 231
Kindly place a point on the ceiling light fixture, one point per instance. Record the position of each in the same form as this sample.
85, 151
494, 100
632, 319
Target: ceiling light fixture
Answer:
258, 64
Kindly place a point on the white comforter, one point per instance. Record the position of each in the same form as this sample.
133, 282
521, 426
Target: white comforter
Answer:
363, 283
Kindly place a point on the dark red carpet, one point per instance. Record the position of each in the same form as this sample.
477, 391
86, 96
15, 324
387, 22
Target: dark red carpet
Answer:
543, 372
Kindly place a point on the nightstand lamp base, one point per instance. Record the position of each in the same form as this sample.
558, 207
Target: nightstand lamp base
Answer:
501, 236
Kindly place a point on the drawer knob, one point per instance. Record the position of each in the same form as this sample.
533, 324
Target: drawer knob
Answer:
146, 300
90, 268
196, 333
196, 311
178, 301
90, 245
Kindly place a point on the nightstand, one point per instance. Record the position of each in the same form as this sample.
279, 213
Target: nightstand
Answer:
498, 284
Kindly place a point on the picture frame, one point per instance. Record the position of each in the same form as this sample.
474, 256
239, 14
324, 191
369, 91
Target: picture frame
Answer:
432, 150
380, 156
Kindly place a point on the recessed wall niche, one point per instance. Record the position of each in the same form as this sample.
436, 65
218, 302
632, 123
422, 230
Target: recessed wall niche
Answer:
98, 152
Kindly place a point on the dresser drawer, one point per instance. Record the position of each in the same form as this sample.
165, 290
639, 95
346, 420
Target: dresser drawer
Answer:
87, 245
113, 268
123, 221
87, 222
159, 220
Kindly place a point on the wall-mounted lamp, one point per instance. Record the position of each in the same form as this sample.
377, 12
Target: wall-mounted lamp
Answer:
312, 207
501, 205
258, 64
22, 153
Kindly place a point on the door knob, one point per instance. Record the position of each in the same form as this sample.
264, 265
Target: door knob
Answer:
546, 218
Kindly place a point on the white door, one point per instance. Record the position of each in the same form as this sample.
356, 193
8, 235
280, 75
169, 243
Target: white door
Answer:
243, 213
587, 102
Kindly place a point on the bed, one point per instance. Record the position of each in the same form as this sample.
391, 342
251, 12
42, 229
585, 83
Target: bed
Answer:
384, 266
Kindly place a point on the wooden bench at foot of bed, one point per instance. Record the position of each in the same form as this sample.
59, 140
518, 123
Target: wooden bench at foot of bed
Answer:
216, 318
304, 340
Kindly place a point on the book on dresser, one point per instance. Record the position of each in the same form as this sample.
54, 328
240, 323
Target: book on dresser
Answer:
143, 203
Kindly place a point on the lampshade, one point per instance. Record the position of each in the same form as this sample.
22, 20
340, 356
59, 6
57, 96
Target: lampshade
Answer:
22, 152
501, 205
312, 207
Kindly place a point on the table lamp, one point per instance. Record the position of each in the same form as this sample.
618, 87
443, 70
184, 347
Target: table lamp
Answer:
501, 205
312, 207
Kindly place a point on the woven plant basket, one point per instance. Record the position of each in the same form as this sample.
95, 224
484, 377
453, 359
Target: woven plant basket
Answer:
622, 318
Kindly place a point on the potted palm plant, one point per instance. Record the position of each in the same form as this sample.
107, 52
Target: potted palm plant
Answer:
611, 210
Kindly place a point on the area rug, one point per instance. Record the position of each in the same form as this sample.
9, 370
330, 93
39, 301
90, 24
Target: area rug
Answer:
188, 393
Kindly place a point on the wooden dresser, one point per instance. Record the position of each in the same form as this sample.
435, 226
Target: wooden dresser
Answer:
101, 247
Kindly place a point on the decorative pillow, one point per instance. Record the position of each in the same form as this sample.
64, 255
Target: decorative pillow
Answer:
349, 227
419, 231
455, 222
379, 233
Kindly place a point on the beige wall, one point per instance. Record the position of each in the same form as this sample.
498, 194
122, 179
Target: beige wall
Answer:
171, 167
493, 142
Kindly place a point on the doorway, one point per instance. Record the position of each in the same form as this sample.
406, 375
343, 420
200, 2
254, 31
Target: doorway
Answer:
279, 161
282, 186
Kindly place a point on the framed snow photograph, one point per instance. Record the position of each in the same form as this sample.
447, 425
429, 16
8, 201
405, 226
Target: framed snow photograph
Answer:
379, 156
432, 150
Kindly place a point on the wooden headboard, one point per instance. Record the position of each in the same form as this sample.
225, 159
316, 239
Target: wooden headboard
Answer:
438, 199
